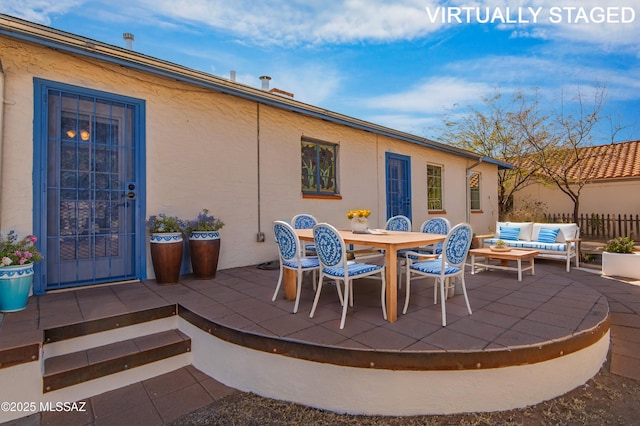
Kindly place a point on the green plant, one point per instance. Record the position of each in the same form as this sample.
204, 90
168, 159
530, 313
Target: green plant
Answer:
18, 252
204, 222
619, 245
500, 244
163, 223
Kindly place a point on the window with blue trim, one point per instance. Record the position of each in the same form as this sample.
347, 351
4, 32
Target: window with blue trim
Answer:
319, 167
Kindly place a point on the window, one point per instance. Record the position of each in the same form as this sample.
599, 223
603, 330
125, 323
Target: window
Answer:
434, 187
474, 190
319, 167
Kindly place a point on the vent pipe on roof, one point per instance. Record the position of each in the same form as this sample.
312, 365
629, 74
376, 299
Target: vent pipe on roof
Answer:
232, 76
265, 82
128, 37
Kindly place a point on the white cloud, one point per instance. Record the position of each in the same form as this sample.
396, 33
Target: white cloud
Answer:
39, 11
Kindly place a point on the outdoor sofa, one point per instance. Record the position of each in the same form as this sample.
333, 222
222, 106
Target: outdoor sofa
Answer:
553, 240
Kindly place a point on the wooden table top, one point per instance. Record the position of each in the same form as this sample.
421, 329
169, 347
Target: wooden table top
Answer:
514, 253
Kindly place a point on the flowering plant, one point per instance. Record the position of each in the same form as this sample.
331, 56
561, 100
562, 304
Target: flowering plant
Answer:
358, 213
204, 222
619, 245
162, 224
18, 252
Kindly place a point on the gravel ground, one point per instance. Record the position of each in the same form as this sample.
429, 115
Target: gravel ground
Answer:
607, 399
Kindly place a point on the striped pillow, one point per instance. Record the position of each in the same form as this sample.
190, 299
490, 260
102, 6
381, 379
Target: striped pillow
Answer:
509, 233
548, 235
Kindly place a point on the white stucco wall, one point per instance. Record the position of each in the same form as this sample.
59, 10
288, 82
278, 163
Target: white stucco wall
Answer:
202, 151
605, 197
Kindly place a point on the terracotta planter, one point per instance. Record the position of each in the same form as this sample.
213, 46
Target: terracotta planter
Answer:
166, 256
621, 264
204, 249
15, 287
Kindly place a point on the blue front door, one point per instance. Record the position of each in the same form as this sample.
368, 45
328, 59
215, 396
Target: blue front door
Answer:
398, 185
88, 186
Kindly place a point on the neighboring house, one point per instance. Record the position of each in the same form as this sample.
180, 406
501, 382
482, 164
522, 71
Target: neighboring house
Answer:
612, 173
109, 137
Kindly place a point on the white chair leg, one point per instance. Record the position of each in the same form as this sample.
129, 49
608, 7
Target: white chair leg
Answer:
337, 283
383, 296
275, 293
435, 292
298, 291
442, 302
407, 291
347, 284
351, 293
464, 291
315, 299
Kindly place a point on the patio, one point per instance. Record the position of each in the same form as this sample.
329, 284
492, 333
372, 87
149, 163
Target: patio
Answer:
510, 323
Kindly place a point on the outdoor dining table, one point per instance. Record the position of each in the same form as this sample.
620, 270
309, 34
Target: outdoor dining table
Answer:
390, 242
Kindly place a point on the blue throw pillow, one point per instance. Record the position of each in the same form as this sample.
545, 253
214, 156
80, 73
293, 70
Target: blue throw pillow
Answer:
509, 233
548, 235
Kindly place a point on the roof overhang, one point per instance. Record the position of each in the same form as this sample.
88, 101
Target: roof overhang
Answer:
70, 43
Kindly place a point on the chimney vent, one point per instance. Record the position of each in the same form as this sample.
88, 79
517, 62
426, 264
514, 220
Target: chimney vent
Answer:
265, 82
128, 37
232, 76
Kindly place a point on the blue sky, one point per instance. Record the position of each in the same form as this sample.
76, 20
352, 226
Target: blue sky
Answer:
388, 62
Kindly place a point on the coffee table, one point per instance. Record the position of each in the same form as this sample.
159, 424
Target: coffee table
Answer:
514, 254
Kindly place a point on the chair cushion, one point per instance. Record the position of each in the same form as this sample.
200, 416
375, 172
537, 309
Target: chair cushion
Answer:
354, 269
305, 263
568, 231
509, 233
548, 235
434, 267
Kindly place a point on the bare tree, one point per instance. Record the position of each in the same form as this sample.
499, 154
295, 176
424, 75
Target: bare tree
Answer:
561, 158
502, 132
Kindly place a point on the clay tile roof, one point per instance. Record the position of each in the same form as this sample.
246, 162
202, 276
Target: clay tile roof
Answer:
612, 161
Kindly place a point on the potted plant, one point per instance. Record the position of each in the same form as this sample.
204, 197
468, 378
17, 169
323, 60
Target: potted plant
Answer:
500, 245
17, 257
359, 220
166, 247
620, 259
204, 244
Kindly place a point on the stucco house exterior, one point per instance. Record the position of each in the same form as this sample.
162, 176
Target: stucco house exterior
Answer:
612, 173
95, 138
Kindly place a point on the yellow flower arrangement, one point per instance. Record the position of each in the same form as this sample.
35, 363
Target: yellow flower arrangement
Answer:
358, 213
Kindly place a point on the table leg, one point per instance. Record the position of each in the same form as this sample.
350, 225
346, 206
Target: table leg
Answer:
533, 271
290, 282
391, 254
473, 264
519, 269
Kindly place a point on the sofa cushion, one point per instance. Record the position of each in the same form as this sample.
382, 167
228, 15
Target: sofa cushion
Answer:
532, 245
525, 229
568, 231
548, 235
509, 233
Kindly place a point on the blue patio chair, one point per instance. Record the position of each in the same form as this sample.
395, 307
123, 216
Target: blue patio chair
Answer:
305, 221
332, 254
451, 264
291, 258
398, 223
436, 225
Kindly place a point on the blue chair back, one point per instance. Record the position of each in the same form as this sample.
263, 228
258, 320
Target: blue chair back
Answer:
456, 245
329, 245
303, 221
288, 242
398, 223
437, 225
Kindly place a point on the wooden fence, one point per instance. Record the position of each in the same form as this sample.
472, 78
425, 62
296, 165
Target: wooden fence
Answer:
601, 226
